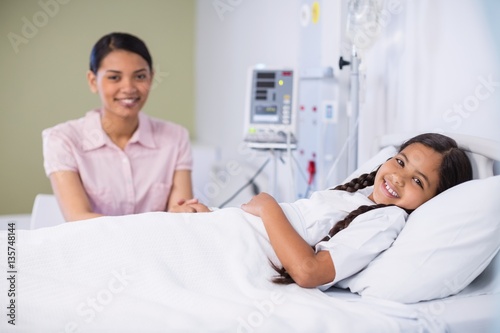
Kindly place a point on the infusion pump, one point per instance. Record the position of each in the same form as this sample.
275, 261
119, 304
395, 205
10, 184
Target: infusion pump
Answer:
270, 113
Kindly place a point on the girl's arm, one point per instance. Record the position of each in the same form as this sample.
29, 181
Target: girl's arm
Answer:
70, 194
307, 268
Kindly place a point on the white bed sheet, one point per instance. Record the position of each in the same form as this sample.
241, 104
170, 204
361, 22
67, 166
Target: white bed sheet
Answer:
161, 272
470, 311
464, 314
474, 309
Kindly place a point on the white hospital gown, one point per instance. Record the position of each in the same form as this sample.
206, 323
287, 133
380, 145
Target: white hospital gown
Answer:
355, 247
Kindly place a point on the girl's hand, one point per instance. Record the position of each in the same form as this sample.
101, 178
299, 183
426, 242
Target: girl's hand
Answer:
259, 203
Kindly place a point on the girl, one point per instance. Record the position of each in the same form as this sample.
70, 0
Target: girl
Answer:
117, 160
372, 207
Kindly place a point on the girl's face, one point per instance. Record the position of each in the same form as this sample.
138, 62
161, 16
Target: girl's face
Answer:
123, 81
408, 179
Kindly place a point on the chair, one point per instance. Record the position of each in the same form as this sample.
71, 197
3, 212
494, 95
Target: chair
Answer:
46, 212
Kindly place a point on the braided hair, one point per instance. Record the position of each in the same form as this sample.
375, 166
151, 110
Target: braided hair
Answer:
455, 168
361, 182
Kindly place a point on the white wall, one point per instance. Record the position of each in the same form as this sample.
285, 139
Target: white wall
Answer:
435, 67
227, 44
231, 37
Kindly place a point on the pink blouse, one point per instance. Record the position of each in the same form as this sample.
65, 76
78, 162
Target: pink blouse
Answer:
134, 180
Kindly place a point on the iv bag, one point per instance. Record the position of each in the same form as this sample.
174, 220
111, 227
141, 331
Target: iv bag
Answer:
363, 26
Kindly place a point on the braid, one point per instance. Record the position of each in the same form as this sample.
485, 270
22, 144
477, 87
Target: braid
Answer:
365, 180
285, 278
341, 225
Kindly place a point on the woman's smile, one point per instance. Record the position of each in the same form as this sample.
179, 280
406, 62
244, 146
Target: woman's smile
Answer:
128, 102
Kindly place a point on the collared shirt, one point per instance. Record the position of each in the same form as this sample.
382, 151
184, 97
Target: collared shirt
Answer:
136, 179
354, 247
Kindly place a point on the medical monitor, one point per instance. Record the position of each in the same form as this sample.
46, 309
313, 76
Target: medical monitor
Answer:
270, 109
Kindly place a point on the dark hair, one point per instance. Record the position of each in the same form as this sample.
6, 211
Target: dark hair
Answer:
455, 169
118, 41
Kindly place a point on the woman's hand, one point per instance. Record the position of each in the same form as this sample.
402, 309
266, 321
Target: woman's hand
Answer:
259, 203
189, 206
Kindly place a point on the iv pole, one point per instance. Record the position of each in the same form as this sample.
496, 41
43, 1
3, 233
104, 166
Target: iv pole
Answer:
352, 162
352, 152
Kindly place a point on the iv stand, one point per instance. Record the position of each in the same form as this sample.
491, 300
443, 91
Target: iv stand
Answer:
352, 153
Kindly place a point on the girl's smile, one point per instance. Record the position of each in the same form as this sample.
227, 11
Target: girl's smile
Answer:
408, 179
388, 191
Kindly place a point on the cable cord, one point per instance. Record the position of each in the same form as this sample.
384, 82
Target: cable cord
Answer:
290, 161
341, 153
301, 172
250, 182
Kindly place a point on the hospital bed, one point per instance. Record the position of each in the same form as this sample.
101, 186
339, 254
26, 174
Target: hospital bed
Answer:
114, 274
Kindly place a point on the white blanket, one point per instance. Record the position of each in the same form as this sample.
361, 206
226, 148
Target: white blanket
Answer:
164, 272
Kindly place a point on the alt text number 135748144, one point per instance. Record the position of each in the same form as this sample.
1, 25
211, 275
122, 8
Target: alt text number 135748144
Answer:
11, 273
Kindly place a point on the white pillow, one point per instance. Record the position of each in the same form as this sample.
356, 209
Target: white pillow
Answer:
446, 243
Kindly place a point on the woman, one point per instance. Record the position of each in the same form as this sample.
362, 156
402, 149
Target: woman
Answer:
117, 160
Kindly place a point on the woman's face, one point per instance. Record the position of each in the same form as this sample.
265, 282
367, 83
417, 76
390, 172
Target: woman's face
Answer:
123, 81
408, 179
